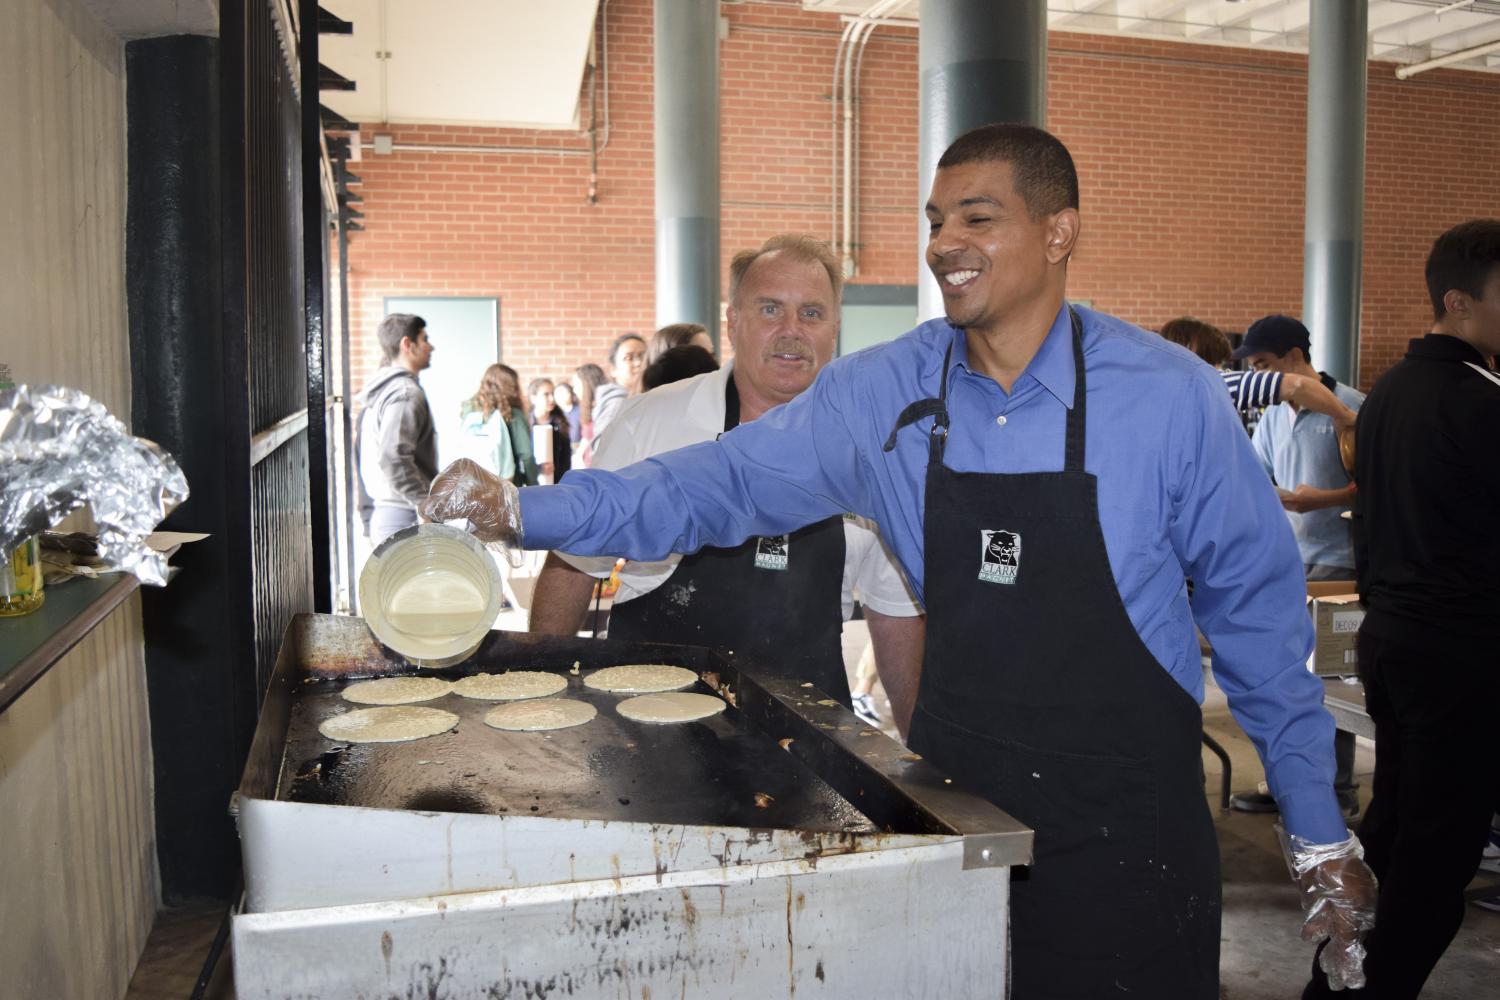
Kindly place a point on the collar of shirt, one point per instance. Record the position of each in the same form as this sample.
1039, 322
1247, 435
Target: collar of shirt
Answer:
1051, 367
1444, 347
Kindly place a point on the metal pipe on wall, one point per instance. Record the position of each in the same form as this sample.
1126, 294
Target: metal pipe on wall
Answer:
846, 74
979, 62
1407, 72
686, 118
833, 105
1334, 226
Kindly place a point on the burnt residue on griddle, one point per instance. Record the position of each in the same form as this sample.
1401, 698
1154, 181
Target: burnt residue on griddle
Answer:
446, 799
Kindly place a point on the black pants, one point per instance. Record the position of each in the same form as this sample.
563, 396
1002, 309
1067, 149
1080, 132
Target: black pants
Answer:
1436, 781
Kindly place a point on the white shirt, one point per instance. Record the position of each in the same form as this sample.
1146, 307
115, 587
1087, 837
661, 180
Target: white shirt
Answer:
692, 412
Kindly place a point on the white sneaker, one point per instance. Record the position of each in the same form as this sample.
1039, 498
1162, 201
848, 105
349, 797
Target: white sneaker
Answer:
864, 708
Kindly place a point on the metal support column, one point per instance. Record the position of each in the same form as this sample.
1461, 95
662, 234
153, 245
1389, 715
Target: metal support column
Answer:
199, 632
980, 61
1334, 225
687, 163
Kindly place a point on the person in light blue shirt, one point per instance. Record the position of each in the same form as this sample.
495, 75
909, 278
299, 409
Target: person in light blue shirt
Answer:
1299, 449
1049, 477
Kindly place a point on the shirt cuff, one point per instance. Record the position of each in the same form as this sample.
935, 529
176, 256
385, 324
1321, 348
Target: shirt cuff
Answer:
1314, 816
545, 517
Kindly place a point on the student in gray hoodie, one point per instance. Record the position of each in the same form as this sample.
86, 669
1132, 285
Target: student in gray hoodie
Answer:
396, 448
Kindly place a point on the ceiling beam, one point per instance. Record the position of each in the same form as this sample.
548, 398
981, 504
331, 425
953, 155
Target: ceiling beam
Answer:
1390, 15
1463, 36
1422, 30
1100, 14
1241, 22
1162, 17
1294, 28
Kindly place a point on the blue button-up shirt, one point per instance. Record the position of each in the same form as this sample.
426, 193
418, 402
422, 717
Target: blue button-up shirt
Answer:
1180, 495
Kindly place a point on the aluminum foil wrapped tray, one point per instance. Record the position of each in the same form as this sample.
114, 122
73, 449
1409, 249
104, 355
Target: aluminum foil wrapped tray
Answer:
61, 450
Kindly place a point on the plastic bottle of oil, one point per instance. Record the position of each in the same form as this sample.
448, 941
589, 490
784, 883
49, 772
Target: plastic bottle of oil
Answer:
21, 579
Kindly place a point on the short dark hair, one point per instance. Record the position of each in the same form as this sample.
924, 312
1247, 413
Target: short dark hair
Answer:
1041, 167
614, 348
395, 328
676, 364
1203, 339
1462, 259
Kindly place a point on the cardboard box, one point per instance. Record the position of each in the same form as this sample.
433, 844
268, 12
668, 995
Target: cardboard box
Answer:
1336, 617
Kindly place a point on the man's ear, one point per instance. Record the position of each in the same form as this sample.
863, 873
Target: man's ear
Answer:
1456, 303
1062, 234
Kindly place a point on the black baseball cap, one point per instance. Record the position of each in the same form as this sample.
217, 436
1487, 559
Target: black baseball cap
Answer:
1277, 334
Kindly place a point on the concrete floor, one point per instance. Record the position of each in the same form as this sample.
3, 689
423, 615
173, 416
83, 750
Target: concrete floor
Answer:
1263, 958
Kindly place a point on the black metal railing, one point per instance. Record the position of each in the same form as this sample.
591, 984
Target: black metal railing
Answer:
275, 331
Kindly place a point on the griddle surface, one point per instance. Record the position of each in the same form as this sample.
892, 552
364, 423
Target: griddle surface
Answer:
711, 772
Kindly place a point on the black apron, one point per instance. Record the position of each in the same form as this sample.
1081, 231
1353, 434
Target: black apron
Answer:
775, 601
1037, 693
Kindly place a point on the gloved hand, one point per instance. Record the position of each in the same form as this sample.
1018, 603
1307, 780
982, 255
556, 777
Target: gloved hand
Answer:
1338, 896
466, 490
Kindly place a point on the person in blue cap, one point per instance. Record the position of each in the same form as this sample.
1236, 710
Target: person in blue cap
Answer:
1299, 449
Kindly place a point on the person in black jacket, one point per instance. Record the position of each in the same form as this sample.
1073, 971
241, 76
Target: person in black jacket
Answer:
1428, 564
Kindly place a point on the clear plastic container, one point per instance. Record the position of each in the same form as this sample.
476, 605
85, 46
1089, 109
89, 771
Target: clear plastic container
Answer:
431, 592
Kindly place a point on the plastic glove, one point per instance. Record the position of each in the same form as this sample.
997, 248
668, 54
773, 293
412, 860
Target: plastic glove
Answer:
465, 490
1338, 896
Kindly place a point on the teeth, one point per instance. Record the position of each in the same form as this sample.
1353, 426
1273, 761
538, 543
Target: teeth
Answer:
959, 277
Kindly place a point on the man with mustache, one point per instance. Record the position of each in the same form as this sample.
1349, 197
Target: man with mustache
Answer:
780, 600
1064, 686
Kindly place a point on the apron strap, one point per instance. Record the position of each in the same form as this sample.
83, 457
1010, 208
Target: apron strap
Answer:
938, 407
731, 405
1073, 454
930, 407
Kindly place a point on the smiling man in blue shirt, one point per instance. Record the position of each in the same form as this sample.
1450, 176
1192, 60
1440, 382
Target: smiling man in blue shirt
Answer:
1049, 477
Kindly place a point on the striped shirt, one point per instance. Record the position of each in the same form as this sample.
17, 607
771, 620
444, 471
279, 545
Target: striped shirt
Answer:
1252, 390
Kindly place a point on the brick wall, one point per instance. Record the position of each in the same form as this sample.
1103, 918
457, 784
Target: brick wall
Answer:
1191, 161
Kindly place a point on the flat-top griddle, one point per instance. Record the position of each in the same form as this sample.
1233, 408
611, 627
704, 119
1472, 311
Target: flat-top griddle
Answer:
780, 848
719, 771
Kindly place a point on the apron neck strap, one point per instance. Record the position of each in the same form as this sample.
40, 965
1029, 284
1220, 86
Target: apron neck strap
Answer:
937, 408
731, 404
930, 407
1073, 454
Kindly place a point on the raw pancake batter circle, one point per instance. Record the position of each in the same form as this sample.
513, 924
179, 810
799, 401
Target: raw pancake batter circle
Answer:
538, 714
396, 690
640, 678
513, 685
387, 725
674, 706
